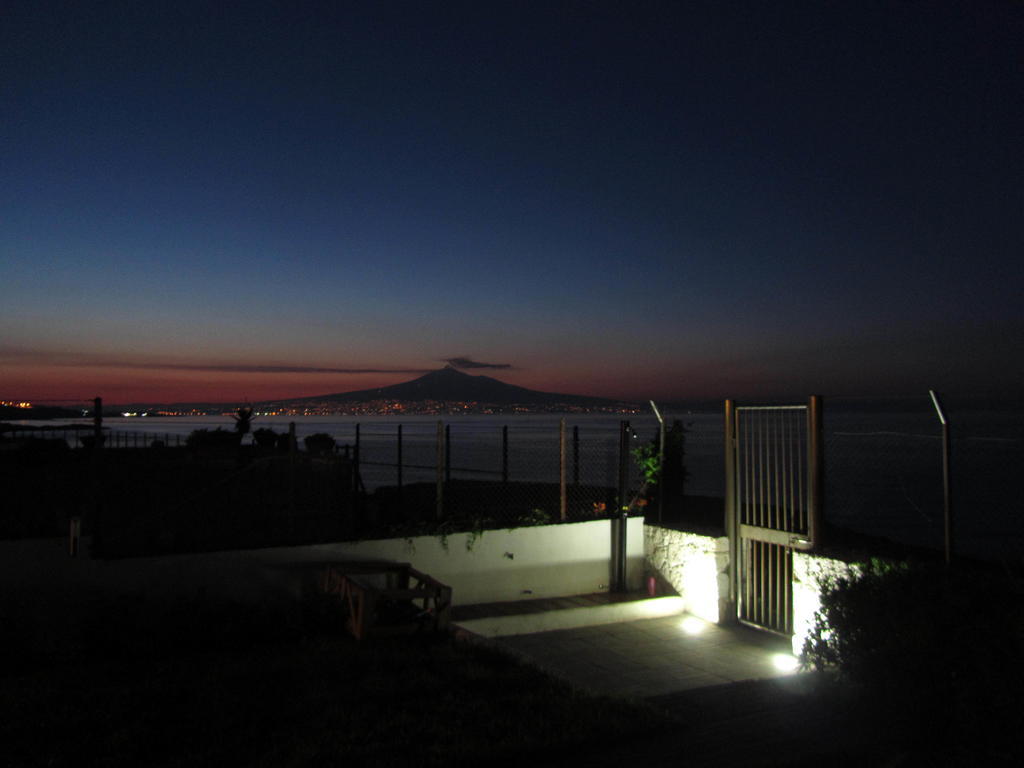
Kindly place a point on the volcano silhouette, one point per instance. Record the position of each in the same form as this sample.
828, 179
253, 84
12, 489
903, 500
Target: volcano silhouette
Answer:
452, 385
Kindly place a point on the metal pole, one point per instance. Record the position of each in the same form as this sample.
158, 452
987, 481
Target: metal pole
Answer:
97, 474
504, 454
576, 455
731, 509
561, 470
439, 493
661, 461
291, 469
399, 460
448, 452
622, 515
815, 472
355, 454
947, 499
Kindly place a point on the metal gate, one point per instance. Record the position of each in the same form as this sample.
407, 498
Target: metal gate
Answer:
773, 469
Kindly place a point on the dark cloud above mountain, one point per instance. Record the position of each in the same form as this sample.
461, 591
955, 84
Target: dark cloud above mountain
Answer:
468, 362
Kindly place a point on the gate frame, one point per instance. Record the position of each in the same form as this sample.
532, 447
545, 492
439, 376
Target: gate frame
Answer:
815, 500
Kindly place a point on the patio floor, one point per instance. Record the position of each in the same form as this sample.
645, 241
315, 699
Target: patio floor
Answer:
734, 691
654, 657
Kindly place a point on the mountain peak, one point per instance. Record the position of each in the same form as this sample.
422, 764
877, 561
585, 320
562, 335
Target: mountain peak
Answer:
449, 384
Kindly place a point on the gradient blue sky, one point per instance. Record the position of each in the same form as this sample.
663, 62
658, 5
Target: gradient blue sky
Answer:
221, 201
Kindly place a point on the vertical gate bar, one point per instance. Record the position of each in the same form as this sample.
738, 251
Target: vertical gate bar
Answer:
752, 416
789, 592
780, 564
777, 472
748, 579
731, 501
754, 571
768, 458
751, 608
787, 518
815, 470
744, 473
761, 582
793, 452
756, 429
775, 522
801, 457
766, 470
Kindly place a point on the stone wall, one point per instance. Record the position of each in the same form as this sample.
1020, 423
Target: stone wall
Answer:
697, 567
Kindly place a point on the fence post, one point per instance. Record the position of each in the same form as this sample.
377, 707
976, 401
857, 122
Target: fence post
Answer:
355, 452
622, 513
439, 493
815, 471
291, 469
504, 454
947, 499
561, 470
399, 458
576, 455
661, 461
97, 475
727, 612
448, 452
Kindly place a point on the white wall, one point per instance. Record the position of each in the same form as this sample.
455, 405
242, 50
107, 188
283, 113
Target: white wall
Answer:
502, 565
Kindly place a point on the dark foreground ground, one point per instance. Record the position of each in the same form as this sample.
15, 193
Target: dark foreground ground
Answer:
141, 682
198, 683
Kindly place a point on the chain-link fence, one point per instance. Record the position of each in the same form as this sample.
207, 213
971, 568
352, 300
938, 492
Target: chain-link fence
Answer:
154, 491
137, 493
890, 484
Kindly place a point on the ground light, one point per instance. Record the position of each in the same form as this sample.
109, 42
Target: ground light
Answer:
785, 662
691, 625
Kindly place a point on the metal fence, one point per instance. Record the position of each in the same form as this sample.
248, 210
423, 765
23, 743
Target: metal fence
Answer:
143, 493
883, 477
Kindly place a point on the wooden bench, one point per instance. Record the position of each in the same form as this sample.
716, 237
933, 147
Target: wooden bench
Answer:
388, 598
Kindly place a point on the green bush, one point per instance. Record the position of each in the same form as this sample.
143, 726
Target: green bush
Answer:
319, 444
212, 439
265, 438
936, 651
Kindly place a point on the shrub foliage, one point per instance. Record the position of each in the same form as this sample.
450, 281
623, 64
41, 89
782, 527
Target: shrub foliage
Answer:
935, 650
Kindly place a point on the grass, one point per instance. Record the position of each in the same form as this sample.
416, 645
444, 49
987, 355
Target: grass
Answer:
144, 682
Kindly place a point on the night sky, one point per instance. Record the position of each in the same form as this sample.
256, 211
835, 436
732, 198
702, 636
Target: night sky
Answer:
223, 201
